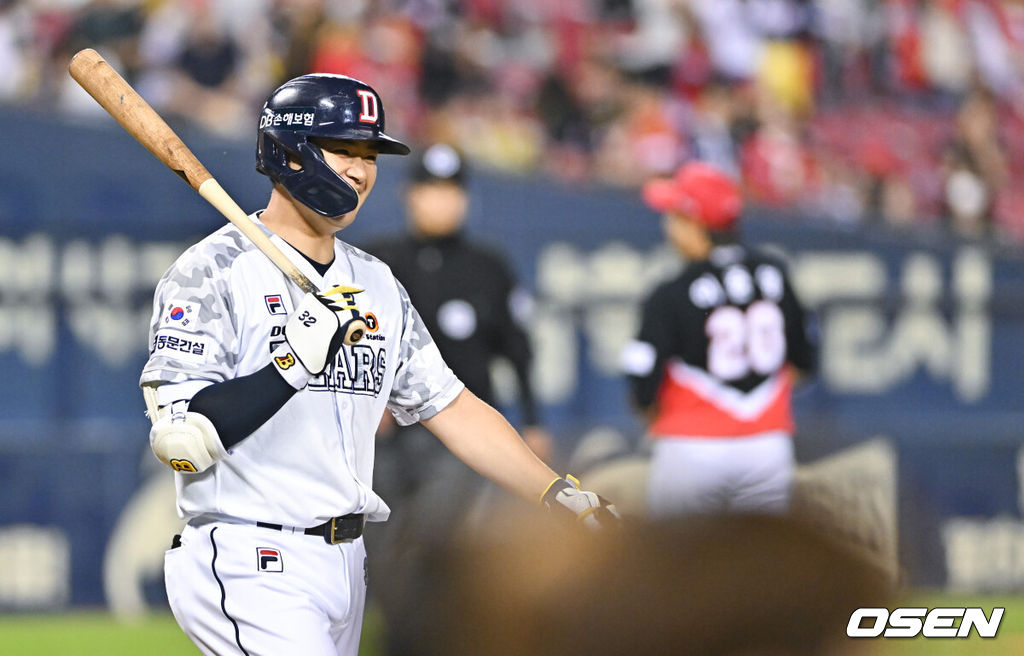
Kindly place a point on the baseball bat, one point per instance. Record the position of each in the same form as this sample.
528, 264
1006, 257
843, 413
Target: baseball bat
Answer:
141, 121
135, 115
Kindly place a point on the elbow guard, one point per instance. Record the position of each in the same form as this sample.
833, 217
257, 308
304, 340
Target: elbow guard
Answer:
186, 442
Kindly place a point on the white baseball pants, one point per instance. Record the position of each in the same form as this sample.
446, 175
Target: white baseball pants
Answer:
691, 475
251, 591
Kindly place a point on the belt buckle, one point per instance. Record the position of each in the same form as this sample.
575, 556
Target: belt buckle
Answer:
340, 532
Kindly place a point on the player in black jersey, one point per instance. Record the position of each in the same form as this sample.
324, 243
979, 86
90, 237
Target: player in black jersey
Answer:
717, 354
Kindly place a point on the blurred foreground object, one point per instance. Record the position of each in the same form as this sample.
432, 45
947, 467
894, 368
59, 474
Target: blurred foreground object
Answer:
709, 585
852, 496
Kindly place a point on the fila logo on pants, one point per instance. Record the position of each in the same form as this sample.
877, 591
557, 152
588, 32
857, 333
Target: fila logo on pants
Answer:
269, 560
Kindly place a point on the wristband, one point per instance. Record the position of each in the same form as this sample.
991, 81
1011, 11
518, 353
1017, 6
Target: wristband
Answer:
287, 364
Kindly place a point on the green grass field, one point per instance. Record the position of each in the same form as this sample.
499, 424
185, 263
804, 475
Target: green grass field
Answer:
97, 634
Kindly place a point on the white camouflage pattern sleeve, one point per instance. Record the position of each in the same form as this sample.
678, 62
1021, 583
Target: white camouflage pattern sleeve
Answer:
193, 335
424, 384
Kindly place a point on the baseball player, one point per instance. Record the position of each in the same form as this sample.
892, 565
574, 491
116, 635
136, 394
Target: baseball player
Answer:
716, 357
268, 404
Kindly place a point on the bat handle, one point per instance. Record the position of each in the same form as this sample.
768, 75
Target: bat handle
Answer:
214, 194
152, 406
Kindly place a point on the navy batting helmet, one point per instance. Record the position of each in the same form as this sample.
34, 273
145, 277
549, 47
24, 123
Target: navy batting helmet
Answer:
325, 106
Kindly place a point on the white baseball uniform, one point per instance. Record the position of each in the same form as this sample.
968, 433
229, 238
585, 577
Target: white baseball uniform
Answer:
236, 587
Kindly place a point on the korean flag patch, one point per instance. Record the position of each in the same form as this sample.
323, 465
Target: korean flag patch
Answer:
179, 314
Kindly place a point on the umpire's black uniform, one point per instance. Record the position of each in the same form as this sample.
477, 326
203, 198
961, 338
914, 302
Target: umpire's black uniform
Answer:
467, 297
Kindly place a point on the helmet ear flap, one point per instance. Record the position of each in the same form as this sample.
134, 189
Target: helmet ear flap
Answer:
272, 158
269, 155
314, 183
279, 153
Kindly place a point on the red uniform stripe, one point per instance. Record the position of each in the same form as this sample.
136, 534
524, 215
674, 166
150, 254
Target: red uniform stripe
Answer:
686, 408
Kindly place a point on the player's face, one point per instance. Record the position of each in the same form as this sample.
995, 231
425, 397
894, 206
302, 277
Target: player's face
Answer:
356, 162
687, 235
436, 209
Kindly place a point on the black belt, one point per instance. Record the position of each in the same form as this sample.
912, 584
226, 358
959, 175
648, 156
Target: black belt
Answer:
334, 530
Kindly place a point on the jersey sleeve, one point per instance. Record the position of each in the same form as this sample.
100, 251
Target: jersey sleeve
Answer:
801, 332
193, 338
424, 385
643, 360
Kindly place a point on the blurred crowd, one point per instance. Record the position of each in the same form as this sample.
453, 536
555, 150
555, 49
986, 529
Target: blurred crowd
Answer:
905, 113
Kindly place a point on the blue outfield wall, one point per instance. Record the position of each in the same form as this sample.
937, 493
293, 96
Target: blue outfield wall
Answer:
922, 340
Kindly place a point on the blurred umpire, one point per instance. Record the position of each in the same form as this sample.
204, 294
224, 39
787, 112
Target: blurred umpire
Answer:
470, 303
465, 291
719, 350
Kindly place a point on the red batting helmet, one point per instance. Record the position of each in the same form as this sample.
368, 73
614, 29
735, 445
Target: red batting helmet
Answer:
698, 190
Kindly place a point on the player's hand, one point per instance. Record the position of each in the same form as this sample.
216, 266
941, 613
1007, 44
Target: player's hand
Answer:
313, 334
353, 325
589, 509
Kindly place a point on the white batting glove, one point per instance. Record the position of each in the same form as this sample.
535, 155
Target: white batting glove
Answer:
313, 334
589, 509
